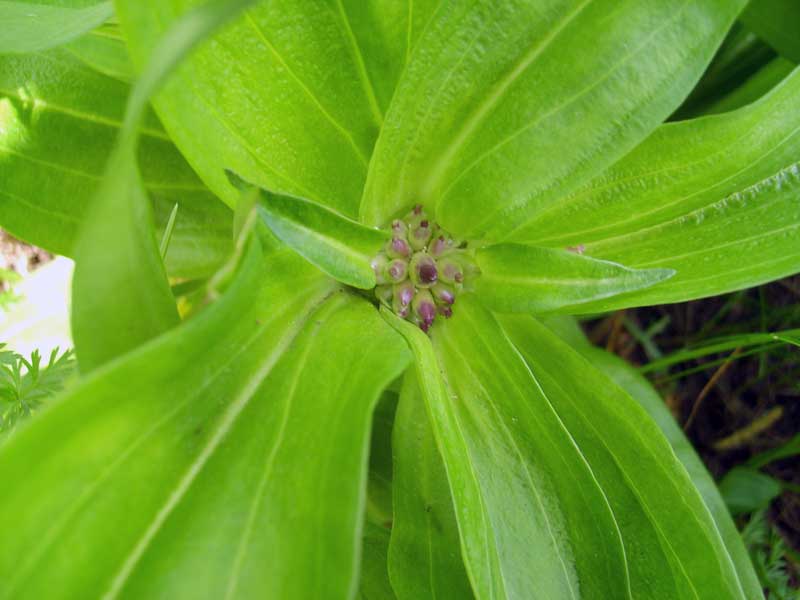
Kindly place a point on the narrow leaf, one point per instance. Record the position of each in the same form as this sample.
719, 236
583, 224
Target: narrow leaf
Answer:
375, 583
36, 26
533, 521
504, 107
339, 246
523, 278
640, 390
425, 551
673, 546
724, 214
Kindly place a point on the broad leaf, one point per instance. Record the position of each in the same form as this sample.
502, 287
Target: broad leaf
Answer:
103, 49
777, 22
342, 248
34, 26
308, 126
265, 421
504, 107
533, 520
58, 123
522, 278
694, 198
425, 551
746, 490
640, 390
672, 544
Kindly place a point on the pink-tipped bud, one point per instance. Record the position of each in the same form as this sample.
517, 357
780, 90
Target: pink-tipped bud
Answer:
420, 236
403, 295
379, 264
399, 228
423, 271
451, 271
417, 209
396, 270
443, 294
398, 248
441, 246
446, 311
424, 309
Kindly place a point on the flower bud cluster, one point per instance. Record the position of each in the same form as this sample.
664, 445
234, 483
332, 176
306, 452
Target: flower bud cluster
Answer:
421, 270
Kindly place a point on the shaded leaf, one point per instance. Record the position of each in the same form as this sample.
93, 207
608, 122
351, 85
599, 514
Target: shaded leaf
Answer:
672, 544
746, 490
522, 278
58, 125
35, 26
777, 22
375, 583
425, 551
533, 521
505, 107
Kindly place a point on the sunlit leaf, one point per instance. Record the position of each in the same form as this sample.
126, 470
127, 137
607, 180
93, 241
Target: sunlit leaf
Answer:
695, 198
522, 278
521, 487
506, 106
339, 246
33, 26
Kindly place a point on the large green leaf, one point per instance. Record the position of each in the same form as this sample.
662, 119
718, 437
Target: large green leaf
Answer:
58, 123
180, 469
103, 49
299, 112
724, 214
673, 546
504, 107
34, 26
777, 22
533, 520
425, 552
625, 376
342, 248
522, 278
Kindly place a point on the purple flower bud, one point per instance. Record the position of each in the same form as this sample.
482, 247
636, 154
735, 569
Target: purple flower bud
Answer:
399, 228
396, 270
417, 209
402, 297
424, 309
399, 248
446, 311
441, 246
423, 270
451, 271
443, 294
420, 235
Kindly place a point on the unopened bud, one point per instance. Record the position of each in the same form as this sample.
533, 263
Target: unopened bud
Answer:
379, 264
446, 311
396, 270
399, 228
403, 295
450, 271
441, 246
420, 236
443, 294
384, 294
423, 270
424, 309
398, 248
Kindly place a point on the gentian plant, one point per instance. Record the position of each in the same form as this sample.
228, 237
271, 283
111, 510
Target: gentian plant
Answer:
321, 285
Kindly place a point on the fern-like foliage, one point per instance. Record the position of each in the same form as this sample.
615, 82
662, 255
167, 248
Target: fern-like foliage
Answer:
768, 552
25, 384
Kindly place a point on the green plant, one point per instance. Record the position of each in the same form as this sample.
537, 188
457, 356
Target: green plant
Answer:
224, 451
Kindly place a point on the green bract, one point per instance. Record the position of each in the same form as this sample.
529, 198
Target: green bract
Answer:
220, 443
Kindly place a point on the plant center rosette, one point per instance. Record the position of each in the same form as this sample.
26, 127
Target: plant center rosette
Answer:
422, 269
